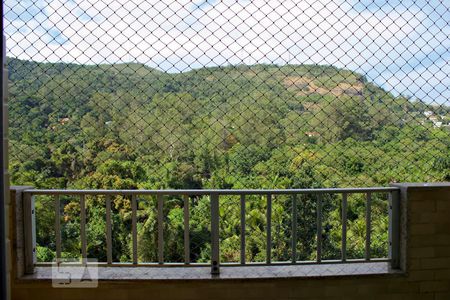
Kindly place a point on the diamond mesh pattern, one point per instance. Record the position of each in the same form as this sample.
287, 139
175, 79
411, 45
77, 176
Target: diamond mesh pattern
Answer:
195, 94
228, 93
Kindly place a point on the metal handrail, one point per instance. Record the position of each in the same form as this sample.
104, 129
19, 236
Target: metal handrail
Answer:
212, 191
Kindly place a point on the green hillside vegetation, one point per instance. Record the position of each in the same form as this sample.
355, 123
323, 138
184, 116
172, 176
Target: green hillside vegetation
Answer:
128, 126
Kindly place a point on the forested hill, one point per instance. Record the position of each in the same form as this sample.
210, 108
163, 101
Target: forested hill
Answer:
131, 126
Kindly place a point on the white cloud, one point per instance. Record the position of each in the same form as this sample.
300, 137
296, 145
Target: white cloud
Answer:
175, 36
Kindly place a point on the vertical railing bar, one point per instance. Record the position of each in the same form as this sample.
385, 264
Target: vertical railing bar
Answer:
29, 223
394, 229
390, 224
294, 229
57, 228
269, 229
134, 227
108, 231
160, 229
243, 229
83, 229
344, 228
215, 250
186, 230
368, 224
319, 228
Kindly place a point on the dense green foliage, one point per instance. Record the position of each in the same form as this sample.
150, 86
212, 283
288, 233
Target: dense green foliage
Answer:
128, 126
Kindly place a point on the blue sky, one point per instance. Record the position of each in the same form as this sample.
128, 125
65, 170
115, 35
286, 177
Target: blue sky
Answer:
403, 46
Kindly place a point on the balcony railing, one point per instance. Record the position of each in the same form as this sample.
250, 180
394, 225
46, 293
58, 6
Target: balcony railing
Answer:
296, 196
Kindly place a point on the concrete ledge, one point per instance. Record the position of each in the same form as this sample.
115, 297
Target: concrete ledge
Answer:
229, 272
422, 185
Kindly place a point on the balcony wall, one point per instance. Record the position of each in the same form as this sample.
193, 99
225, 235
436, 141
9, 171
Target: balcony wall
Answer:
425, 274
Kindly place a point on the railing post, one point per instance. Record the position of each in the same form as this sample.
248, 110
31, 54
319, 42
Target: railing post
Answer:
58, 228
242, 229
344, 228
394, 229
368, 225
108, 230
29, 231
134, 206
294, 229
83, 229
319, 228
160, 200
269, 229
215, 251
187, 242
